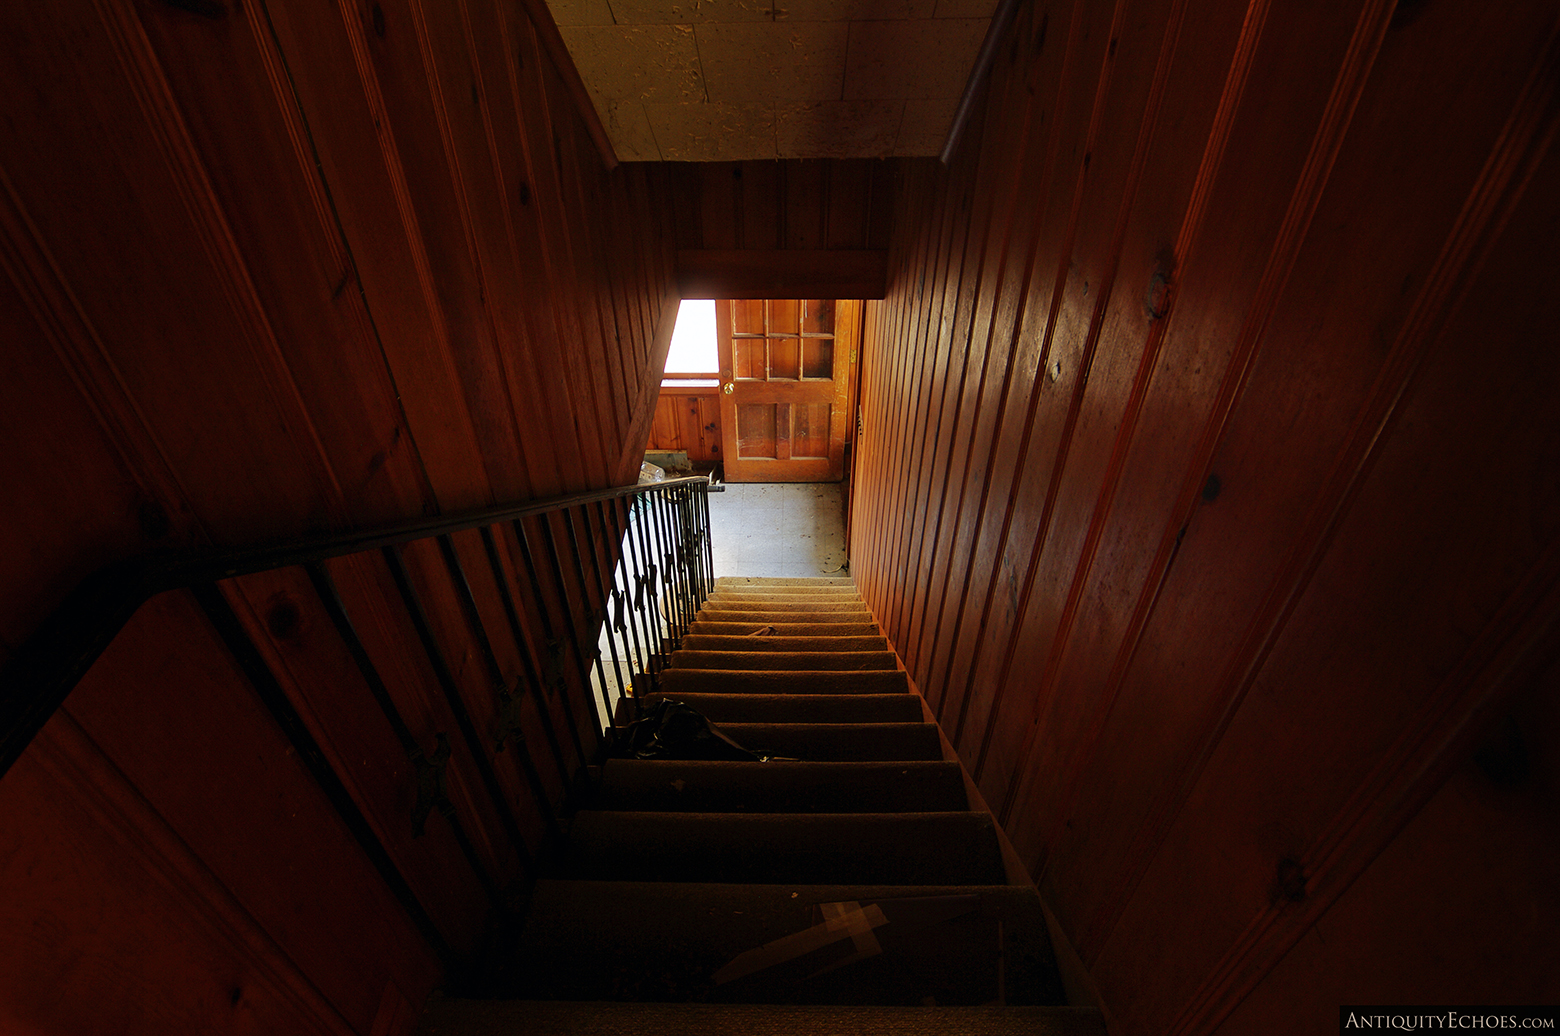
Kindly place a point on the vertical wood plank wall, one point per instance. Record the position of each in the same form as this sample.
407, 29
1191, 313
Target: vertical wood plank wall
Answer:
688, 419
826, 204
1208, 489
269, 268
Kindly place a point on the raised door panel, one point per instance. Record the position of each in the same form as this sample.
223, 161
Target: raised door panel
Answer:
785, 377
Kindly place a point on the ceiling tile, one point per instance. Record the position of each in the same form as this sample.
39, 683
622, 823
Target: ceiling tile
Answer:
837, 129
852, 10
930, 58
580, 12
637, 62
925, 127
777, 61
687, 12
713, 132
628, 127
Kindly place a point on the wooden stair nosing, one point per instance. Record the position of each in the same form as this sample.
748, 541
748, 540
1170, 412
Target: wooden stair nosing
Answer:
783, 661
779, 708
807, 681
780, 642
788, 629
854, 786
955, 848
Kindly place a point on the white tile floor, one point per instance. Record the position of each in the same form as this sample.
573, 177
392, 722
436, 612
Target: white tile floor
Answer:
778, 529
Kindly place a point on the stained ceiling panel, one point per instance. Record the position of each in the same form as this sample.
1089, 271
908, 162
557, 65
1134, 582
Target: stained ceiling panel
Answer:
725, 80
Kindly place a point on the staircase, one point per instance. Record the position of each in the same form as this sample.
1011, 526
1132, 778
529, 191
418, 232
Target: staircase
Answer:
854, 890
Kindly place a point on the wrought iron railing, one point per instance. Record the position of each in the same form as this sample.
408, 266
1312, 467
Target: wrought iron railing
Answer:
594, 591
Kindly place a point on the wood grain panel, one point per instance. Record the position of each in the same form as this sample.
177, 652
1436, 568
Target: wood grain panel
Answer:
1172, 421
164, 710
687, 419
787, 205
297, 268
770, 274
114, 922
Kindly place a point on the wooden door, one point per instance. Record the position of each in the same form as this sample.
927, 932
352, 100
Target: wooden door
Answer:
785, 375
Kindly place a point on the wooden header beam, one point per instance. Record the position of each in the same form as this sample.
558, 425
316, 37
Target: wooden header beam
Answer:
782, 274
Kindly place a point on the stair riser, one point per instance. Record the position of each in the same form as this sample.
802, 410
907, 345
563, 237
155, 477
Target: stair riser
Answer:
758, 601
776, 642
892, 849
836, 661
591, 940
724, 603
770, 618
737, 681
781, 592
835, 742
852, 787
770, 582
789, 708
785, 629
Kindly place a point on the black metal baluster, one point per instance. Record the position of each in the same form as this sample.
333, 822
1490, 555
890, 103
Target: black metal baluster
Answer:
557, 672
686, 548
269, 690
694, 542
451, 689
669, 566
622, 599
701, 521
644, 580
533, 671
561, 585
429, 773
633, 589
673, 565
627, 614
654, 551
684, 555
590, 634
709, 539
606, 622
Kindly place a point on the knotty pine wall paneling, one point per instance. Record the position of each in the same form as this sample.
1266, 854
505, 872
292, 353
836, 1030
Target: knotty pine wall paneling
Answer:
1206, 489
688, 418
791, 204
787, 229
272, 269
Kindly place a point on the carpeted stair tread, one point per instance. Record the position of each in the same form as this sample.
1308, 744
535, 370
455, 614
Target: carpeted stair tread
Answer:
790, 708
743, 681
785, 629
837, 742
557, 1018
789, 593
591, 939
778, 642
760, 599
721, 602
769, 618
722, 582
703, 786
837, 661
683, 880
954, 848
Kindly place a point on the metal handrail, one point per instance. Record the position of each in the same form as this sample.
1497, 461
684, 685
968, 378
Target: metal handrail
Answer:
38, 677
641, 574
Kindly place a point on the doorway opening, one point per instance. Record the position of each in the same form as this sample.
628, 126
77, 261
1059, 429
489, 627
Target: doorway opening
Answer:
761, 394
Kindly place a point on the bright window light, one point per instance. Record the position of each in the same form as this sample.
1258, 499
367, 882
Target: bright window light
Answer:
693, 339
